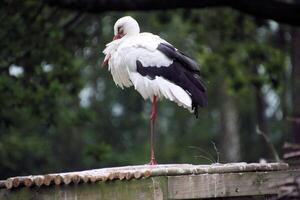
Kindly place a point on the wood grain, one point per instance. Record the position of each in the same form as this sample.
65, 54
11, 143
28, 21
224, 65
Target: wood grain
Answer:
226, 185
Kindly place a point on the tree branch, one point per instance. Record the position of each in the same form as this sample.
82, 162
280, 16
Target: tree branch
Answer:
278, 10
97, 6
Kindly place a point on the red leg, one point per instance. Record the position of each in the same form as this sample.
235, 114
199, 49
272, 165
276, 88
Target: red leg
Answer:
152, 123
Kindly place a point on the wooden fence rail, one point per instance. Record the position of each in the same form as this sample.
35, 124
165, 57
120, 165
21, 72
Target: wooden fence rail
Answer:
177, 181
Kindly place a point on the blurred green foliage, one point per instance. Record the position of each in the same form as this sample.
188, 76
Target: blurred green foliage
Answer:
63, 112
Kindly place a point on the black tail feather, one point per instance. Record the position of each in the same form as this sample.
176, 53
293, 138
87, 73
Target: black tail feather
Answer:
195, 108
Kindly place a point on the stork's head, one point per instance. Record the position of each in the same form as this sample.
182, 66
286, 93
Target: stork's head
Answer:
125, 26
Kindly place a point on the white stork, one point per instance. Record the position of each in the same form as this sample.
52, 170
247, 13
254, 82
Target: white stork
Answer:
155, 68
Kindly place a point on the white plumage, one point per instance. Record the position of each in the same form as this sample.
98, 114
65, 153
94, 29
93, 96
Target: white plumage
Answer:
155, 68
122, 55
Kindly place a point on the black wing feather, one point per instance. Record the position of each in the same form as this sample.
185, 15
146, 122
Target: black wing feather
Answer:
173, 53
184, 72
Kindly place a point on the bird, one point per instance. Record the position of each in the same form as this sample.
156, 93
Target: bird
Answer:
155, 68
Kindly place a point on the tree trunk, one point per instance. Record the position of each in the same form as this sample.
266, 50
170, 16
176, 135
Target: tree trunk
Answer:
295, 57
282, 43
261, 118
261, 110
229, 127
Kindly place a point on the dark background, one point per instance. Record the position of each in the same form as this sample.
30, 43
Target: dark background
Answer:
59, 111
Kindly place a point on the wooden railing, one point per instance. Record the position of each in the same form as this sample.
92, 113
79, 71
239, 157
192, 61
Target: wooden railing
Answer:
176, 181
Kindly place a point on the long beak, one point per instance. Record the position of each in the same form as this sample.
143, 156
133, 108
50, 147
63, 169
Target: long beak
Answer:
118, 36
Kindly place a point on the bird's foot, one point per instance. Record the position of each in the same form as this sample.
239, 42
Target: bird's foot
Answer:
152, 162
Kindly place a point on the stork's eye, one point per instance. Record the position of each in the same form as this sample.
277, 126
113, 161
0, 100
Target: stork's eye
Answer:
120, 30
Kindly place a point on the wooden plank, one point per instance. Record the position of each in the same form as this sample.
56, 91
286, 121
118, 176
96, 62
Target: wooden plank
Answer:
226, 185
141, 189
172, 187
136, 172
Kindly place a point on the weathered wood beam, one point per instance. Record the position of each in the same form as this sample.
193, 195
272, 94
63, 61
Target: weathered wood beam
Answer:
226, 185
151, 188
163, 187
278, 10
136, 172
